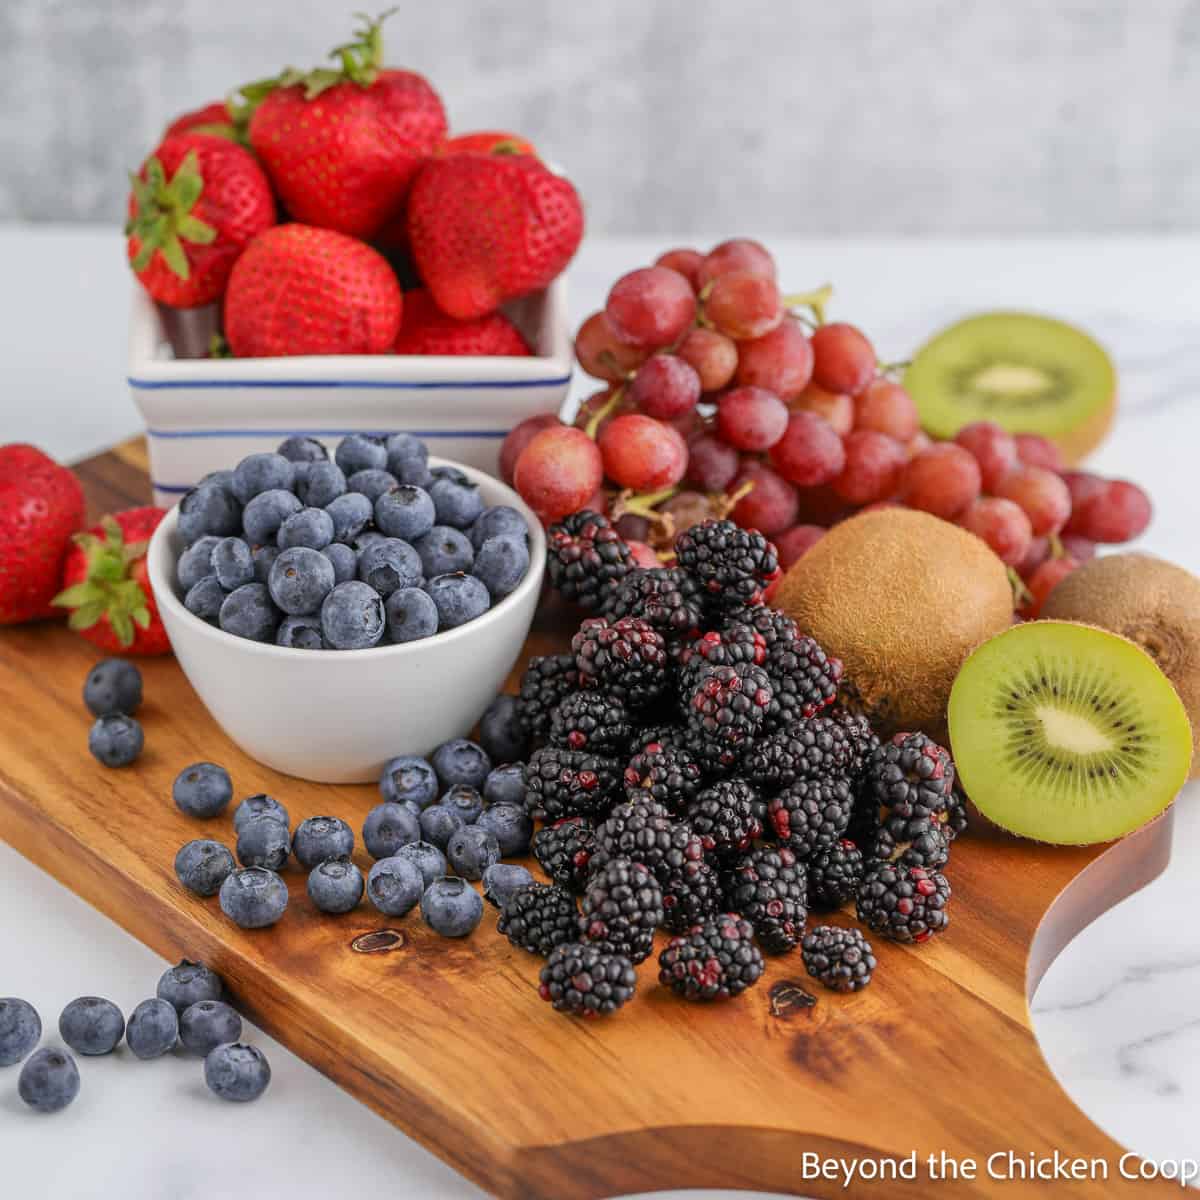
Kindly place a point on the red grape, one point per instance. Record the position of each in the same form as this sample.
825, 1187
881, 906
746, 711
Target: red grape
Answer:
780, 361
751, 418
843, 358
518, 438
651, 307
793, 543
1038, 552
1043, 581
602, 354
738, 254
633, 527
688, 508
712, 355
665, 387
874, 463
836, 407
770, 505
942, 480
684, 260
1081, 485
742, 306
1042, 494
994, 448
1036, 451
643, 555
642, 453
1117, 513
1079, 548
597, 402
917, 444
1002, 524
887, 408
712, 463
810, 452
558, 472
822, 506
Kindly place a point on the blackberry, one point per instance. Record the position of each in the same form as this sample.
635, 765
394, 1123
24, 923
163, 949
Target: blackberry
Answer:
666, 597
724, 816
593, 722
713, 961
840, 958
860, 733
811, 815
539, 917
731, 564
621, 909
669, 773
774, 627
814, 749
586, 559
667, 735
569, 783
919, 842
626, 658
582, 979
805, 680
957, 818
906, 904
565, 851
690, 895
736, 643
912, 776
548, 680
769, 888
641, 830
834, 875
725, 711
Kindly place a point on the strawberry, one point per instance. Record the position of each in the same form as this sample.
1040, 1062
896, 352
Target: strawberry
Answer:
491, 141
196, 202
41, 506
301, 290
212, 118
427, 330
342, 146
106, 588
486, 228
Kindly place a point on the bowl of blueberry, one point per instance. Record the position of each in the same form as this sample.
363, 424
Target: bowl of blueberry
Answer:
330, 607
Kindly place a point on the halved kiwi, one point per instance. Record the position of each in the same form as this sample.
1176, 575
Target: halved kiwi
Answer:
1067, 734
1026, 372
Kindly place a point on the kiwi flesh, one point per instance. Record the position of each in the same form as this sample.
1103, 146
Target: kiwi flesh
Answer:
1067, 734
1026, 372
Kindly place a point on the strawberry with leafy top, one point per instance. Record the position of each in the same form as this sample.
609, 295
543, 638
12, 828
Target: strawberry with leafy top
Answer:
486, 228
41, 506
106, 588
427, 330
489, 141
196, 202
214, 118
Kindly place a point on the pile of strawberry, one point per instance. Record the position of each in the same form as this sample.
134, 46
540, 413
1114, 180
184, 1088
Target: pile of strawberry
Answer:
328, 213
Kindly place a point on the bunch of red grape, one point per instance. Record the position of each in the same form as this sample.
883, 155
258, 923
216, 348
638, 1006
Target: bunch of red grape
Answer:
723, 395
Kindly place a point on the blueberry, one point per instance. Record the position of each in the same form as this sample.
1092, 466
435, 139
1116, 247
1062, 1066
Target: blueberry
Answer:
202, 866
299, 448
411, 615
439, 824
222, 479
388, 827
409, 778
207, 1024
511, 825
506, 785
300, 579
451, 907
202, 790
91, 1025
20, 1029
301, 633
335, 885
264, 560
352, 616
360, 452
260, 805
461, 760
152, 1029
408, 459
351, 514
113, 686
264, 515
404, 512
258, 473
116, 740
456, 500
263, 842
250, 613
464, 800
232, 563
502, 881
208, 510
49, 1080
186, 983
427, 858
237, 1072
471, 851
319, 838
395, 885
372, 482
497, 521
389, 565
501, 732
254, 897
502, 562
443, 550
458, 598
205, 598
312, 527
195, 562
345, 561
370, 538
323, 483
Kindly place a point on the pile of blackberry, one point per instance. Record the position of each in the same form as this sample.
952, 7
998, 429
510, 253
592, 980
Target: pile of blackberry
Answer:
696, 773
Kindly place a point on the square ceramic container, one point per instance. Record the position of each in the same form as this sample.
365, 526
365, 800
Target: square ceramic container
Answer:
205, 414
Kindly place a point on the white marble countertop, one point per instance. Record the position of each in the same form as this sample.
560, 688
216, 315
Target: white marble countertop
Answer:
1116, 1015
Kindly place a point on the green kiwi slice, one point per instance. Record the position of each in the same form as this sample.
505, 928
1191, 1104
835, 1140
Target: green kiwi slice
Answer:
1067, 734
1026, 372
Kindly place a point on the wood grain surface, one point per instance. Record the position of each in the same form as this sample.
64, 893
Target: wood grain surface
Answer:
450, 1041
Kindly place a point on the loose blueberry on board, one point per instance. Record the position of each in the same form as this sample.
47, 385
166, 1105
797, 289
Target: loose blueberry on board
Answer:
444, 549
335, 885
471, 850
254, 897
202, 790
427, 858
411, 615
250, 613
299, 448
405, 511
310, 527
203, 865
351, 514
237, 1072
208, 510
116, 740
319, 838
188, 982
260, 805
458, 598
264, 842
501, 732
300, 579
372, 483
498, 521
388, 827
408, 459
409, 778
395, 885
465, 800
461, 760
389, 565
20, 1029
323, 483
456, 500
152, 1029
502, 880
352, 616
344, 559
195, 563
207, 1024
263, 472
501, 564
205, 598
439, 824
49, 1080
451, 907
361, 452
511, 826
113, 686
300, 633
506, 785
232, 563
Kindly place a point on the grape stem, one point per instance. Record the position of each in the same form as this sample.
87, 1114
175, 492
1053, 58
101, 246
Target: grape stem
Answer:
1057, 549
603, 412
815, 301
893, 368
1020, 592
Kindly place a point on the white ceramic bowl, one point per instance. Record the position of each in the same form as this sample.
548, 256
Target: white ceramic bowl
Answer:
336, 716
203, 414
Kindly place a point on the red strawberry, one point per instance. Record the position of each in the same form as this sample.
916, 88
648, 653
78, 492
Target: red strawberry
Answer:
212, 118
427, 330
486, 228
342, 146
300, 290
106, 588
195, 203
41, 505
491, 141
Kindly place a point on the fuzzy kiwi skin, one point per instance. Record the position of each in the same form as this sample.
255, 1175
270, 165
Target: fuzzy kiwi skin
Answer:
1154, 604
901, 597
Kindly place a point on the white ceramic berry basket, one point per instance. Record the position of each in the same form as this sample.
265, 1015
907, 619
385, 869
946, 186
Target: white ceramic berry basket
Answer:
202, 414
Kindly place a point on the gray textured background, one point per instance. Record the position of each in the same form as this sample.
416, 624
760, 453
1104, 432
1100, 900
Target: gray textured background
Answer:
677, 115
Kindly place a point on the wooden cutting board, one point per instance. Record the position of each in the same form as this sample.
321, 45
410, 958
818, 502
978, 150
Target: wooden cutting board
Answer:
450, 1041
